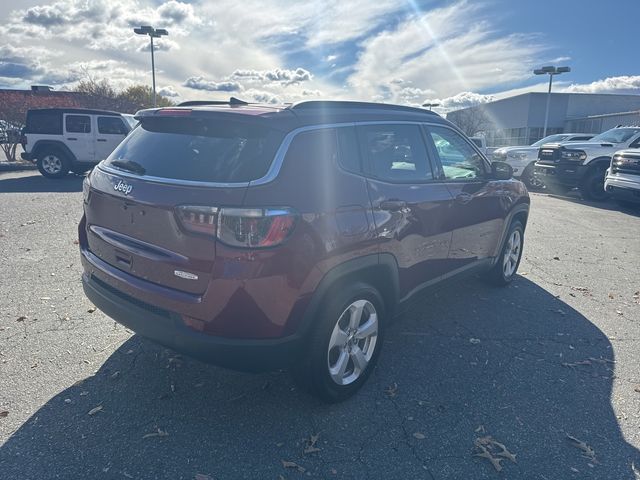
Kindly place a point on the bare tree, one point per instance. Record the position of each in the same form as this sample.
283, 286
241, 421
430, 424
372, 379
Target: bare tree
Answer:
471, 121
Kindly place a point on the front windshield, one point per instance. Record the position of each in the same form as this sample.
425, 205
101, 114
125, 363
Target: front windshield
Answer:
550, 139
616, 135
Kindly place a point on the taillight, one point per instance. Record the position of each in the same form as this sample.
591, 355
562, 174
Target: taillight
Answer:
240, 227
198, 219
255, 227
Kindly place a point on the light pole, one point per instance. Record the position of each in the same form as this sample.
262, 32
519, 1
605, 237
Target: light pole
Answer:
430, 105
153, 33
551, 71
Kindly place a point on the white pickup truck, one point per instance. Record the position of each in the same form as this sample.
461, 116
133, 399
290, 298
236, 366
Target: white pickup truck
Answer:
623, 177
563, 166
523, 158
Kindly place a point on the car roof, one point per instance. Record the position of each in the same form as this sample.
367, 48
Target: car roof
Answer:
307, 113
85, 111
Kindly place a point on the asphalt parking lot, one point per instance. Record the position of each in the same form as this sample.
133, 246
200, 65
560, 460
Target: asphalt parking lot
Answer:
551, 361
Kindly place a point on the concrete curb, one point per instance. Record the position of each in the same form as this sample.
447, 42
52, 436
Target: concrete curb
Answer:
16, 166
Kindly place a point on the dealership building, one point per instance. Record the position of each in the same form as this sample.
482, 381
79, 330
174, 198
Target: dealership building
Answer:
519, 120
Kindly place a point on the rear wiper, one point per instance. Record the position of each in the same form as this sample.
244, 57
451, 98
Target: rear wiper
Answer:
129, 165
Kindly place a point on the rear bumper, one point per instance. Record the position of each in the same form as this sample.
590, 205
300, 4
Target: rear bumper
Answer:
565, 174
168, 329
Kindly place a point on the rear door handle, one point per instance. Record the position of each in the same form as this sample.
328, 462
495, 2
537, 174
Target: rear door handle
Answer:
463, 198
392, 205
72, 138
102, 140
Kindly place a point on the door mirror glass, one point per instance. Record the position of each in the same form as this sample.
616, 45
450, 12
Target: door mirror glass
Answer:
501, 171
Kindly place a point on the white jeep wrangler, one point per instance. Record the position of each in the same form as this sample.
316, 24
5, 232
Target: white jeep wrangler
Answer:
563, 166
60, 140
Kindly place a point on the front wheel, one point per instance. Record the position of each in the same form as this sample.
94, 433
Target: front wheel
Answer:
592, 187
530, 180
345, 344
506, 266
53, 164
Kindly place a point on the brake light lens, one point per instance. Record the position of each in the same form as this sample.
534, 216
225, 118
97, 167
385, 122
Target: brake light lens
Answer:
174, 112
198, 219
240, 227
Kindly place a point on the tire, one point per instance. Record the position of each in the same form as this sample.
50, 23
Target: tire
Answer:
53, 163
530, 180
502, 273
334, 343
592, 186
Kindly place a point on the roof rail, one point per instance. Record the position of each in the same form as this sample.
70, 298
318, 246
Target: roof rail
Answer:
195, 103
336, 104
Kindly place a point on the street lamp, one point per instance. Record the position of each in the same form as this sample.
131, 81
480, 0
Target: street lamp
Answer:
153, 33
551, 71
430, 105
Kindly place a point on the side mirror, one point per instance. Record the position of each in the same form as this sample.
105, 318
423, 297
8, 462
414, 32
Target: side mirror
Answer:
501, 171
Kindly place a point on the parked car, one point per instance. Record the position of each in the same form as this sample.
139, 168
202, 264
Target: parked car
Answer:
623, 177
60, 140
260, 236
481, 143
523, 158
562, 166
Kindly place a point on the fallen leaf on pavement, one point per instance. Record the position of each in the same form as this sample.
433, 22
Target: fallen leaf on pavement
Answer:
419, 436
91, 310
556, 258
4, 413
587, 451
21, 319
637, 389
310, 444
391, 390
611, 296
489, 449
287, 464
95, 410
619, 312
157, 433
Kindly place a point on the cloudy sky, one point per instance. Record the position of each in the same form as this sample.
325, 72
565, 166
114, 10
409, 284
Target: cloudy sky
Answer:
405, 51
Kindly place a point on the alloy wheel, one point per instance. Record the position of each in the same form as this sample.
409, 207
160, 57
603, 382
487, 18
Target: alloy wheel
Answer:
512, 253
51, 164
353, 342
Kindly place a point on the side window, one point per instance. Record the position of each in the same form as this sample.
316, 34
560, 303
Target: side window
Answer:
44, 123
112, 126
317, 147
574, 139
396, 153
459, 160
635, 143
78, 123
349, 153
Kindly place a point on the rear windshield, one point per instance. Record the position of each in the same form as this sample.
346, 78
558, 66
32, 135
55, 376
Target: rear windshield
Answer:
197, 150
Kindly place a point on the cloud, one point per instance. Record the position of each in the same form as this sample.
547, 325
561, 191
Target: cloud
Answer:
459, 101
622, 84
168, 91
86, 21
46, 16
447, 50
200, 83
277, 75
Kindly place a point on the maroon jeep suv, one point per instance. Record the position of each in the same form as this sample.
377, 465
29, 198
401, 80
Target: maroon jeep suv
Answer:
259, 237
